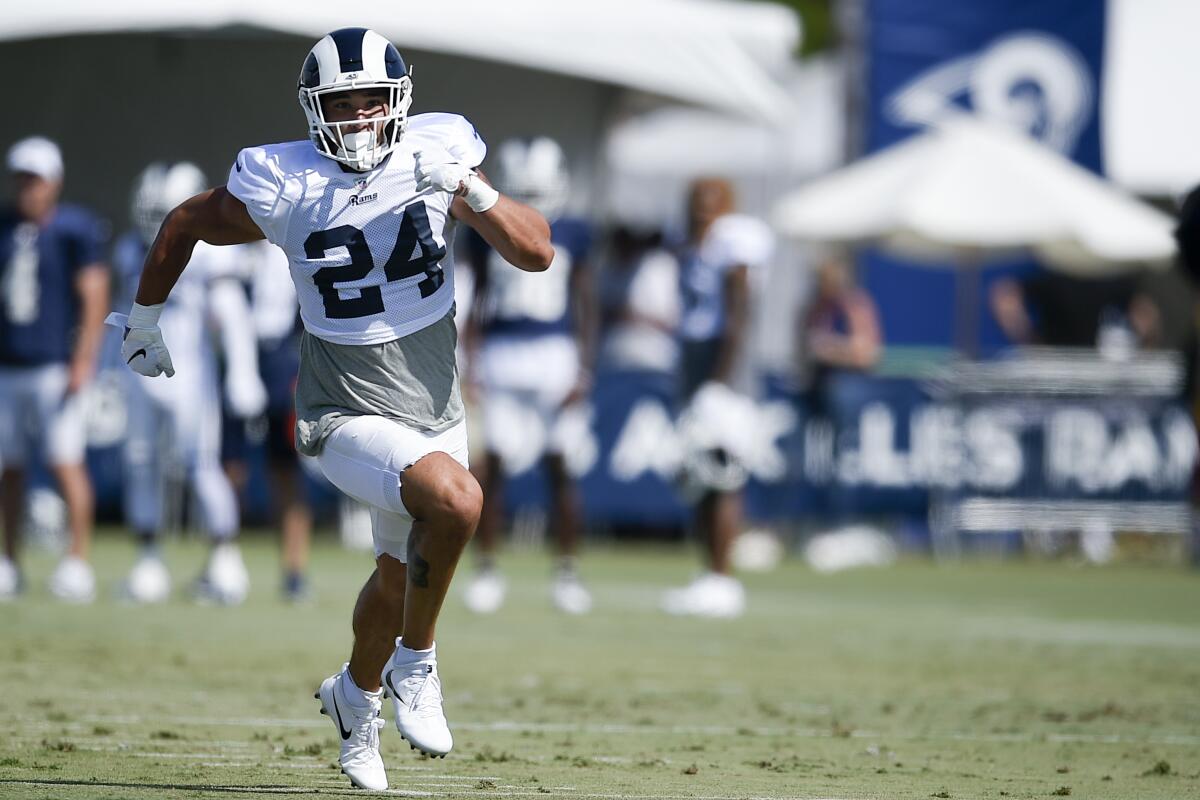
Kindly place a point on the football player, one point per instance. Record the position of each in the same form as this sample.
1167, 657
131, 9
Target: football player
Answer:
184, 414
365, 210
53, 293
715, 264
531, 366
277, 328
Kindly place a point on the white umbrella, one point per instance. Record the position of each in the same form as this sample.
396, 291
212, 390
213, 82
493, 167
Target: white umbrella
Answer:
970, 187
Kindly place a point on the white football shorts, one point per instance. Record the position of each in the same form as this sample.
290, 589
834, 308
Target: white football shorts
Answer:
366, 458
525, 383
34, 405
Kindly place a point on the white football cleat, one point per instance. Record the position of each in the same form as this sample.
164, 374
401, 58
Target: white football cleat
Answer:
485, 592
411, 680
569, 595
225, 580
358, 726
73, 581
148, 581
710, 595
10, 579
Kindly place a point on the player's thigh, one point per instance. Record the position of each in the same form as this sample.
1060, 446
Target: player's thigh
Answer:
59, 417
15, 401
194, 410
513, 426
440, 489
143, 426
367, 456
389, 533
372, 458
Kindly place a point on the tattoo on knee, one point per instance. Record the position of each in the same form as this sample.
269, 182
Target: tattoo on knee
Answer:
418, 567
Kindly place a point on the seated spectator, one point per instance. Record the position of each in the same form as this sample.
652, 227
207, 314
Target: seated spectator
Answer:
841, 327
1057, 310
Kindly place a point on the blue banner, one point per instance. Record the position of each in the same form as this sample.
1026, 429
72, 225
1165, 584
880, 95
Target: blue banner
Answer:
1032, 64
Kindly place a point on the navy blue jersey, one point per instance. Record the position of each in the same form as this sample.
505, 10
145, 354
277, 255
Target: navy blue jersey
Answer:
39, 306
519, 303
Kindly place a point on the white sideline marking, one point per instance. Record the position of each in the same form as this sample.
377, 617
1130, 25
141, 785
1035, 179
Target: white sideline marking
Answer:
497, 792
513, 726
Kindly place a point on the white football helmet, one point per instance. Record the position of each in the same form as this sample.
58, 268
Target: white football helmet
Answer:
159, 189
534, 171
347, 59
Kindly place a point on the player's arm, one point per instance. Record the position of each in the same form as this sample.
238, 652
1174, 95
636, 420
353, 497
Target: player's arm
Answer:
92, 287
586, 314
1008, 307
513, 229
216, 217
737, 303
472, 257
230, 310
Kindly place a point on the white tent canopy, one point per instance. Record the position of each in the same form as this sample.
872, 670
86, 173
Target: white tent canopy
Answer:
648, 169
716, 53
969, 186
1151, 121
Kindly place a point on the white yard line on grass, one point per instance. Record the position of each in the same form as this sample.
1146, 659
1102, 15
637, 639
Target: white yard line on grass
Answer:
514, 726
490, 792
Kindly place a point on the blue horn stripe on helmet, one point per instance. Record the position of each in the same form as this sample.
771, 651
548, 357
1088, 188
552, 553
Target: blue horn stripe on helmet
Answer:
349, 43
310, 73
394, 63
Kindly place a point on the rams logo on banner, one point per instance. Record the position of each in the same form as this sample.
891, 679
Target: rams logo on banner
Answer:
1035, 82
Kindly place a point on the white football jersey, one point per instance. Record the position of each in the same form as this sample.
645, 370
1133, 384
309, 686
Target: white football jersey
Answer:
733, 240
185, 315
368, 252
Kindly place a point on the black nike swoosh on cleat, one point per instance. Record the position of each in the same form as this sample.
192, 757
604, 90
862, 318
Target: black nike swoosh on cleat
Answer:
388, 680
141, 351
341, 726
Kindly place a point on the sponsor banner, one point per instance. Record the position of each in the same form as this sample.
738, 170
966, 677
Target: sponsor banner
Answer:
869, 445
864, 446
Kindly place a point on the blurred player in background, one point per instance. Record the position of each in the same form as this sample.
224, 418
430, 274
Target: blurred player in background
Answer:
364, 210
180, 419
53, 294
639, 305
532, 365
277, 328
716, 260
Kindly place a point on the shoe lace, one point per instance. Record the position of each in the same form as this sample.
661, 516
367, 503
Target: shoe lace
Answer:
367, 726
427, 699
373, 729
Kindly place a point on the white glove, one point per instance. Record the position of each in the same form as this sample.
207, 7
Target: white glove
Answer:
449, 176
143, 347
246, 393
452, 177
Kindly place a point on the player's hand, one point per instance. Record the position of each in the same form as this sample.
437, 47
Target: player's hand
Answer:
143, 347
246, 393
146, 353
448, 176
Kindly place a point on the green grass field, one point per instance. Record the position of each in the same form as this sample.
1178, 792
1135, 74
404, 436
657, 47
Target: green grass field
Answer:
982, 680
